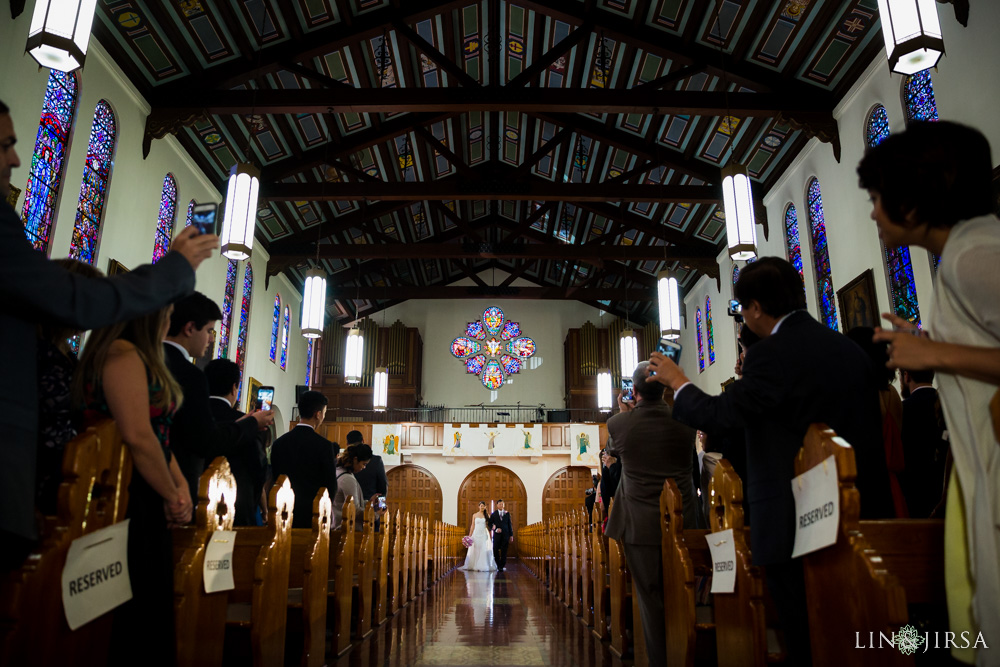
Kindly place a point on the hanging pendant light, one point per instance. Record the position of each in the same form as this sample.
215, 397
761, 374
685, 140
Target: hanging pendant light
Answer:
60, 33
670, 304
741, 228
604, 390
241, 211
353, 360
630, 352
314, 304
912, 33
381, 398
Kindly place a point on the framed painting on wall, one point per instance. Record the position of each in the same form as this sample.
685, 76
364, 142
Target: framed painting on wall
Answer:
858, 304
12, 196
253, 384
115, 267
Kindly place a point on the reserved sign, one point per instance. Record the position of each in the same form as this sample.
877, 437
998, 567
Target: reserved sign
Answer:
723, 551
217, 572
95, 579
817, 508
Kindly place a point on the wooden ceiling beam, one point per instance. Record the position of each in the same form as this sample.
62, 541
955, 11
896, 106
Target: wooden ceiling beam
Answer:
480, 292
545, 61
441, 60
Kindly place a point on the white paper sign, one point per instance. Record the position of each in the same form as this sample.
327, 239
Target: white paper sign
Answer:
217, 572
95, 578
817, 508
723, 561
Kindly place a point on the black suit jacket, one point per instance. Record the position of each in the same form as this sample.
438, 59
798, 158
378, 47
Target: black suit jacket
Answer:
609, 482
803, 374
247, 461
505, 524
372, 479
924, 452
309, 460
37, 291
195, 436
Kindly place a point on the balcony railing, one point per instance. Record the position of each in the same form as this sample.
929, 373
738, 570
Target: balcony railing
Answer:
468, 414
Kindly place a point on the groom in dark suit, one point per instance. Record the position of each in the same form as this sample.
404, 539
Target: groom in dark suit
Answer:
503, 534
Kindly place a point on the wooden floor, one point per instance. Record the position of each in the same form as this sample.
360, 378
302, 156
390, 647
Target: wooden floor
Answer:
480, 618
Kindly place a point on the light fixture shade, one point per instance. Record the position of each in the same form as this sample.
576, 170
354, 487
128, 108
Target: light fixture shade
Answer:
669, 297
630, 352
241, 211
381, 398
604, 390
60, 33
741, 228
314, 303
354, 356
912, 33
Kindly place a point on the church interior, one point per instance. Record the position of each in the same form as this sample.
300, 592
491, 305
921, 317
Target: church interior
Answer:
463, 223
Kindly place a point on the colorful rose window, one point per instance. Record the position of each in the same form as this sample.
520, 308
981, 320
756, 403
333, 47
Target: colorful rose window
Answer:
493, 348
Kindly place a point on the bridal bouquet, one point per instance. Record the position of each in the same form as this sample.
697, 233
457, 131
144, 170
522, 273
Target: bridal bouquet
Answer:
466, 541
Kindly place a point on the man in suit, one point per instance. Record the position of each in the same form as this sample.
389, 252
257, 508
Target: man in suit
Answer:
503, 534
651, 447
247, 459
925, 449
800, 373
611, 473
309, 459
38, 291
195, 436
372, 479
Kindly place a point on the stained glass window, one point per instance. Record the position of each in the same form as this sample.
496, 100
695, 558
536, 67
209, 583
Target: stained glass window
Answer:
187, 220
241, 334
935, 260
877, 127
902, 288
49, 158
918, 95
487, 355
165, 219
701, 347
736, 276
284, 337
710, 335
227, 310
821, 256
792, 244
309, 361
94, 189
275, 324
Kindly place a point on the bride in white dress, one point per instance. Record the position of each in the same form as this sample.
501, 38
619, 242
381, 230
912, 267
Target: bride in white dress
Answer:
480, 556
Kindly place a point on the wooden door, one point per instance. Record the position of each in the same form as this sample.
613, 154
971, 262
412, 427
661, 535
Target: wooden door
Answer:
566, 490
491, 483
415, 490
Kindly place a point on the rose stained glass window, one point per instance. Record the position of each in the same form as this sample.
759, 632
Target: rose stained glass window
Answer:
493, 348
918, 95
709, 334
275, 325
284, 337
49, 157
821, 257
241, 334
877, 127
226, 325
701, 347
94, 189
165, 218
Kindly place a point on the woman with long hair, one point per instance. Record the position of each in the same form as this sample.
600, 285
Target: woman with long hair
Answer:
480, 555
122, 375
353, 459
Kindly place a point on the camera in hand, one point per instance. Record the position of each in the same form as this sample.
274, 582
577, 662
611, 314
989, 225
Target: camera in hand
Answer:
203, 217
628, 390
735, 310
671, 349
381, 503
265, 398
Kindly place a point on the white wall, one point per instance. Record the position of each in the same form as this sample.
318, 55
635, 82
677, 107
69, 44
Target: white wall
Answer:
134, 195
966, 92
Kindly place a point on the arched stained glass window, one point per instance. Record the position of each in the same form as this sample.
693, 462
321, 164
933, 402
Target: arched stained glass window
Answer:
49, 158
709, 333
284, 337
187, 220
96, 180
309, 362
821, 257
877, 127
918, 97
275, 323
736, 276
701, 347
165, 218
241, 335
227, 310
792, 244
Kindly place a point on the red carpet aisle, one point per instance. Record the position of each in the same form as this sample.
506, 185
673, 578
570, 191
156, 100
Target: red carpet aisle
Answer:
478, 618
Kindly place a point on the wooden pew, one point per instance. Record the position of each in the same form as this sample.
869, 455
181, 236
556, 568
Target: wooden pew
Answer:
93, 495
257, 604
410, 558
362, 580
308, 582
200, 617
586, 569
393, 580
621, 604
576, 563
601, 581
340, 577
380, 574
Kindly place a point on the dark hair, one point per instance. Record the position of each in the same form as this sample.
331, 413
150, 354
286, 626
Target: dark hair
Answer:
499, 501
774, 284
920, 377
747, 336
4, 108
941, 171
877, 352
354, 453
195, 307
354, 437
222, 374
648, 390
311, 402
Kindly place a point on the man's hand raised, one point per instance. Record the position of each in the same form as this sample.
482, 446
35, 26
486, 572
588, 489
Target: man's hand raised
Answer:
264, 418
195, 247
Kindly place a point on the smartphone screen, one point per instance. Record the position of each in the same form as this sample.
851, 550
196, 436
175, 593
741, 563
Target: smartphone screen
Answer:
381, 502
628, 390
735, 307
265, 398
203, 217
670, 349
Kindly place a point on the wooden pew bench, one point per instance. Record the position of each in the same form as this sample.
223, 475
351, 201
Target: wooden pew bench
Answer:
340, 581
308, 585
361, 595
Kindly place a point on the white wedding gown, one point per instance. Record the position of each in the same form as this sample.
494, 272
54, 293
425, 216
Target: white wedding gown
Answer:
480, 556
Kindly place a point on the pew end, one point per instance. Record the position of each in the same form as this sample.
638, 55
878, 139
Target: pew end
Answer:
340, 578
308, 586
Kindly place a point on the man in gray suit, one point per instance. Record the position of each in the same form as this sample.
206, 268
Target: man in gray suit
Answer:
651, 447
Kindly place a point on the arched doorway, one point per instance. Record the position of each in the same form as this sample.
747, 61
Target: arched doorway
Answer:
415, 490
565, 490
493, 483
